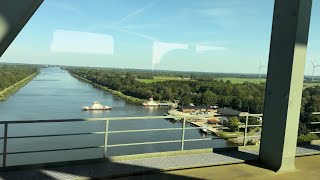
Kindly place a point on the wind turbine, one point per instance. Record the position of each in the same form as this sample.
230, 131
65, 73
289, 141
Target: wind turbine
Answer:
260, 68
313, 67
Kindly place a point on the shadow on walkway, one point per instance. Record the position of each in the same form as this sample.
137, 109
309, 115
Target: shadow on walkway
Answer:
98, 170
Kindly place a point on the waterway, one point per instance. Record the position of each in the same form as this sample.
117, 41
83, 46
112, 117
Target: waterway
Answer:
55, 94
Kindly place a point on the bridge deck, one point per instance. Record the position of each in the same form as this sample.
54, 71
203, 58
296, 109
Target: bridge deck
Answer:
126, 167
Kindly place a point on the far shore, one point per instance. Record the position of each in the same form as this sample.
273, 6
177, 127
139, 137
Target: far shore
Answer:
117, 93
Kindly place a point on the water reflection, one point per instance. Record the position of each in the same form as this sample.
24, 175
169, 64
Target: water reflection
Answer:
98, 113
151, 108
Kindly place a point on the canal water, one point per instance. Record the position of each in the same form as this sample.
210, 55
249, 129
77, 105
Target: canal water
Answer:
55, 94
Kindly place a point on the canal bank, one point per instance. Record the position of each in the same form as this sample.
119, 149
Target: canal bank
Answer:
9, 91
117, 93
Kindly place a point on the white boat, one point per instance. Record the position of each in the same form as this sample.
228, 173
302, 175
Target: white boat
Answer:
96, 106
205, 130
165, 104
151, 102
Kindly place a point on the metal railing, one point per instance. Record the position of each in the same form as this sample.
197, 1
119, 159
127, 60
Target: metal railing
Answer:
314, 123
106, 132
247, 125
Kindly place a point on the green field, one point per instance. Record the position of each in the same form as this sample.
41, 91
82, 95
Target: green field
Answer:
235, 80
259, 80
161, 79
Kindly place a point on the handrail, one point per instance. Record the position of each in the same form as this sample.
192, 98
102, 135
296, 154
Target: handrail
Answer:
106, 145
314, 122
52, 135
114, 118
87, 119
107, 132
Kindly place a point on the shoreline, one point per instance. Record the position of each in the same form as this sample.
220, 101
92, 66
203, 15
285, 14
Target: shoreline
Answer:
9, 91
114, 92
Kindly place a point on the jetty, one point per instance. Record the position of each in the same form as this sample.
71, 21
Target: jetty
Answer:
199, 120
212, 128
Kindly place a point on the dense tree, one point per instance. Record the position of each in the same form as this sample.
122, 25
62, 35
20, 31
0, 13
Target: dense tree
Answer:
233, 124
204, 89
209, 98
11, 74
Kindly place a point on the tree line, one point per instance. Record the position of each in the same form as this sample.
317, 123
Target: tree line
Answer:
310, 103
243, 97
12, 74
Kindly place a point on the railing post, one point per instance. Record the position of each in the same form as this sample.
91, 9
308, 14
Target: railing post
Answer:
183, 133
245, 131
106, 131
4, 152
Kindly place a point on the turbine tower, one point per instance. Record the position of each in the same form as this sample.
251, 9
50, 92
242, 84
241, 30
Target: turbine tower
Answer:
313, 68
260, 68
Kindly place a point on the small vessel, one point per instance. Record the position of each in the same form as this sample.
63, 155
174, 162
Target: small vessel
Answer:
150, 102
205, 130
96, 106
176, 119
175, 104
167, 117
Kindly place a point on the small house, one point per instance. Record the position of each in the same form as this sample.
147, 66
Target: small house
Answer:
223, 121
213, 121
228, 111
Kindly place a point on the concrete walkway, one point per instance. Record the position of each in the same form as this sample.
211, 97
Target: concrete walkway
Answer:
147, 165
307, 169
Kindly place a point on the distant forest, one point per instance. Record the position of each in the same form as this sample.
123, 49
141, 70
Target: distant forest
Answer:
12, 74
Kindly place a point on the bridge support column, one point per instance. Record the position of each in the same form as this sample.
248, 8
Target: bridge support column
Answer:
14, 14
285, 77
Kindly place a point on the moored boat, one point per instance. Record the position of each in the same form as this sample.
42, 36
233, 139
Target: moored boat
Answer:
150, 102
205, 130
96, 106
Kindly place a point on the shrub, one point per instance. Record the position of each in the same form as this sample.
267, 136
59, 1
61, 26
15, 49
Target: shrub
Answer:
307, 137
233, 124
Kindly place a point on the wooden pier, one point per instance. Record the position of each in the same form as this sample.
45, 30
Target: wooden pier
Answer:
212, 128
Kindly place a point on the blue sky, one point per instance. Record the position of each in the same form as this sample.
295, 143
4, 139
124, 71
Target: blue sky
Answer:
202, 35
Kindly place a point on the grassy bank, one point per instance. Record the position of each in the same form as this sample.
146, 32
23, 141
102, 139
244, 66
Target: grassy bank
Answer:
232, 136
6, 93
117, 93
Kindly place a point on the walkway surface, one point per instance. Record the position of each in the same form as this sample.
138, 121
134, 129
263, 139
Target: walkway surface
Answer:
307, 169
147, 165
